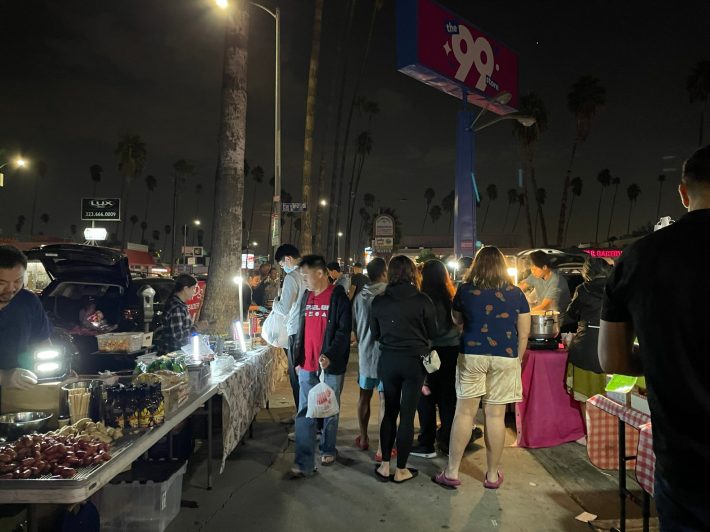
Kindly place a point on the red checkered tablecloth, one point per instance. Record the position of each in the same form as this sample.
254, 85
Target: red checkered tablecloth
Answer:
603, 441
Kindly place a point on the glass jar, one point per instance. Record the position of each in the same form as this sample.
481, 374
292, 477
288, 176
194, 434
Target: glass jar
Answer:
159, 401
145, 417
130, 407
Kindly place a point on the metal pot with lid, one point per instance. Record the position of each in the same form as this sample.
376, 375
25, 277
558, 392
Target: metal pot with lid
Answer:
545, 325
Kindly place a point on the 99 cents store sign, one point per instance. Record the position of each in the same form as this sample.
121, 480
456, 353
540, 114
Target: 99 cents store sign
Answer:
446, 52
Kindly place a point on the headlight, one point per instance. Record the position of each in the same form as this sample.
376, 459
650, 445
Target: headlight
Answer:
47, 355
47, 367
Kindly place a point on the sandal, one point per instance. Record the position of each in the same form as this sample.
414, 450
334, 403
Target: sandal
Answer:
445, 482
493, 485
381, 477
327, 460
360, 445
414, 472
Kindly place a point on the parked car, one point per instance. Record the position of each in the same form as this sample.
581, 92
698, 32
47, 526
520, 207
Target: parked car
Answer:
79, 273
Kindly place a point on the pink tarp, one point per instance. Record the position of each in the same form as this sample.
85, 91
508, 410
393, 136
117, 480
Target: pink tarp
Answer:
548, 415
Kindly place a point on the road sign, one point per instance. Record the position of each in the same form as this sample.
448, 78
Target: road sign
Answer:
383, 244
293, 207
384, 225
106, 209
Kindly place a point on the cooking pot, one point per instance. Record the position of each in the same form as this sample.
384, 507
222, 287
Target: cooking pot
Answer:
545, 325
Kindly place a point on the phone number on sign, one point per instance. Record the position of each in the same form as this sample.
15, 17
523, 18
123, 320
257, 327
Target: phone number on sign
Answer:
103, 214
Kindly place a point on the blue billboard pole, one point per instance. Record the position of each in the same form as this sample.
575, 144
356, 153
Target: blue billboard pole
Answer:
465, 201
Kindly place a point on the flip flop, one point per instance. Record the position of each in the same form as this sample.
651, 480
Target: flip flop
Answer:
414, 473
380, 477
378, 455
445, 482
327, 460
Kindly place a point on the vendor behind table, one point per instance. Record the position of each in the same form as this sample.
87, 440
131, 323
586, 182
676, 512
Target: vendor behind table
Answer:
551, 288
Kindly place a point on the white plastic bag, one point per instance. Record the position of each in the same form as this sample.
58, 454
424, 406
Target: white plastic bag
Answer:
273, 331
321, 400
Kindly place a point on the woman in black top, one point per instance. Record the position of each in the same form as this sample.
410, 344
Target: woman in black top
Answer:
403, 321
585, 377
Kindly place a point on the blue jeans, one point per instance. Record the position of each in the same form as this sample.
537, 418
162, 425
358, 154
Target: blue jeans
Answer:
678, 513
306, 426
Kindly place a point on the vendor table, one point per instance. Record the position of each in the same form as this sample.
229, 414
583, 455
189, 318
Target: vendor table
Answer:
547, 415
617, 435
245, 389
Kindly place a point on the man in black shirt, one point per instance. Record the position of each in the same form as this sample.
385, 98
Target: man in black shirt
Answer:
358, 281
659, 293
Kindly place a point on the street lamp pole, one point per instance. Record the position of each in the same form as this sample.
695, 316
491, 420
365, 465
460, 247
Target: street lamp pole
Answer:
276, 217
340, 233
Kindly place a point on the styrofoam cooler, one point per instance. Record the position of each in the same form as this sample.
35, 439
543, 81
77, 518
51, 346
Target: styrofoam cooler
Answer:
141, 506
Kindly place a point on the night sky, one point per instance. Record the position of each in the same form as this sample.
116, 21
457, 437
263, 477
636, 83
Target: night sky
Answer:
77, 75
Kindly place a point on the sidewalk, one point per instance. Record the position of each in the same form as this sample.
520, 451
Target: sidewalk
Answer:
252, 493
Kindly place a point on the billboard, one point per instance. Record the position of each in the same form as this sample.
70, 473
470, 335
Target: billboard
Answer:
450, 54
106, 209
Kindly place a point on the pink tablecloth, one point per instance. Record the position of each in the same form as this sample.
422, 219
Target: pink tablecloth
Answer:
548, 415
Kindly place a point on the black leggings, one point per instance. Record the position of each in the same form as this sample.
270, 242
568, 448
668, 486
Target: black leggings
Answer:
402, 376
443, 394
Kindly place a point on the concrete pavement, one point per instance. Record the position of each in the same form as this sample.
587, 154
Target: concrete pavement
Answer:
253, 494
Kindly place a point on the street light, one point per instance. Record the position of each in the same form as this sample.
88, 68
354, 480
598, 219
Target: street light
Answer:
340, 233
323, 203
19, 163
184, 238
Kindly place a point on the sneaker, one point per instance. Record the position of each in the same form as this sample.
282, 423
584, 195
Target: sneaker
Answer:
423, 452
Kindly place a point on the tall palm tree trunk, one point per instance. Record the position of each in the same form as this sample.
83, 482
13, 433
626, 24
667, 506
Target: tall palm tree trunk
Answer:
351, 214
306, 230
226, 250
251, 215
540, 214
319, 209
485, 216
353, 103
334, 200
569, 218
565, 194
599, 212
628, 224
517, 217
505, 220
611, 215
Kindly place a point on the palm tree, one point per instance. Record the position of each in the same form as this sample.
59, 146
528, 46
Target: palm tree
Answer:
512, 200
368, 199
584, 99
492, 195
134, 220
44, 218
633, 193
364, 147
576, 187
698, 87
167, 229
616, 182
95, 172
604, 179
41, 174
132, 153
156, 234
156, 238
144, 226
447, 205
343, 42
661, 180
257, 175
435, 214
150, 183
531, 104
307, 235
182, 171
357, 100
540, 198
429, 197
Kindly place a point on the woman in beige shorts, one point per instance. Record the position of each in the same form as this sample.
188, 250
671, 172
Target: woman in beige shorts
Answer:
496, 323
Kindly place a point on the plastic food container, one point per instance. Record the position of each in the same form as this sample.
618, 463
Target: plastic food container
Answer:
122, 342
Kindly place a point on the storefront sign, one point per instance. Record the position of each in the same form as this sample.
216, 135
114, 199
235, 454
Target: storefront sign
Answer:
383, 244
604, 253
106, 209
444, 51
384, 226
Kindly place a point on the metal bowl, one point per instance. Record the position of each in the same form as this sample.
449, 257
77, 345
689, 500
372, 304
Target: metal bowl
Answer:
12, 426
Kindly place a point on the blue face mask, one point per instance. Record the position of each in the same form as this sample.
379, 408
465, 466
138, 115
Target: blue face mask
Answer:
289, 269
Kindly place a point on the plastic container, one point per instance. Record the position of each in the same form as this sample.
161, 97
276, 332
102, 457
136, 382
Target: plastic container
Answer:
146, 499
121, 342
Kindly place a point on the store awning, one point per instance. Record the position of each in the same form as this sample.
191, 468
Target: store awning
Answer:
139, 258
